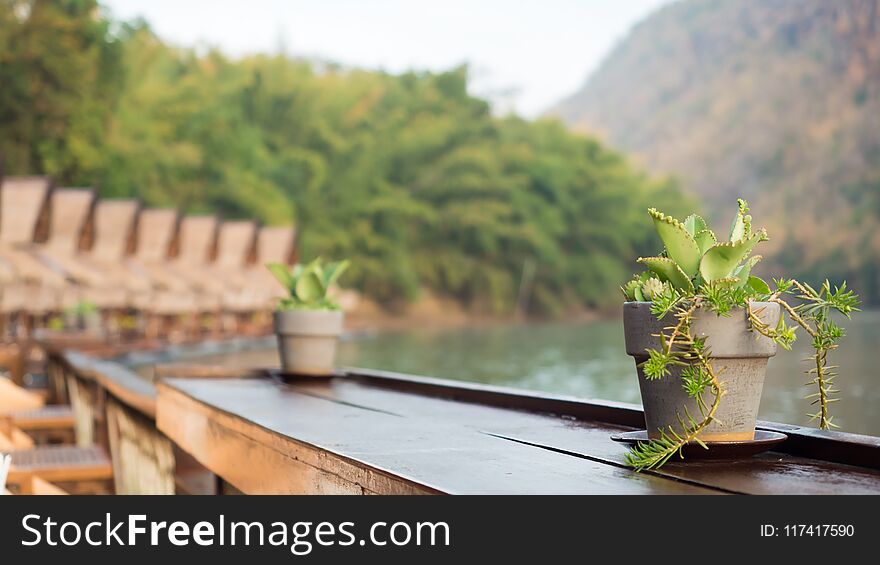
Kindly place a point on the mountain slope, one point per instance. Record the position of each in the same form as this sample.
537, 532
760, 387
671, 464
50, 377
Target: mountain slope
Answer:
774, 100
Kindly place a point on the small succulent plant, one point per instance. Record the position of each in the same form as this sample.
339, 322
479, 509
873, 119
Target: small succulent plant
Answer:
693, 256
82, 308
696, 271
308, 284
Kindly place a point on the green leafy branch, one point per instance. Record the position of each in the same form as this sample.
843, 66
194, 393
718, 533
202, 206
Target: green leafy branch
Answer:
813, 314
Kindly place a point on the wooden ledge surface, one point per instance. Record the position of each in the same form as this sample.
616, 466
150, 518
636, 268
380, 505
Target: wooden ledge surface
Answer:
124, 384
374, 432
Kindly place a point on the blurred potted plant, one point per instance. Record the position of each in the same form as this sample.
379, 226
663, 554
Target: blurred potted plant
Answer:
84, 315
702, 328
308, 322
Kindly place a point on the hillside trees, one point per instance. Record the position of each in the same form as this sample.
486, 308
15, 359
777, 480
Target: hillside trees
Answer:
409, 175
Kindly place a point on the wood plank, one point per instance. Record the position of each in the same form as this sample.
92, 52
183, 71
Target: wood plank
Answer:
201, 371
52, 417
293, 441
125, 385
766, 474
217, 442
838, 447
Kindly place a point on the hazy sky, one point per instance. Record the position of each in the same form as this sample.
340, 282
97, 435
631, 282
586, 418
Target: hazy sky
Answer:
524, 54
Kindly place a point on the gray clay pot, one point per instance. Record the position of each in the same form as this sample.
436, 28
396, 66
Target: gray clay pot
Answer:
307, 340
739, 358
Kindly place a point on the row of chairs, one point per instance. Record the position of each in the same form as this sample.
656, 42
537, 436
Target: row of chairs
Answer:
147, 271
39, 439
125, 271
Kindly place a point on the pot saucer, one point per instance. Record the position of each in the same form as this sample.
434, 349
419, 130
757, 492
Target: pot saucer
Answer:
764, 441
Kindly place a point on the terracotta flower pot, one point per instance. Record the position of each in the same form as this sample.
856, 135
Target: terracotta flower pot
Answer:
307, 340
739, 358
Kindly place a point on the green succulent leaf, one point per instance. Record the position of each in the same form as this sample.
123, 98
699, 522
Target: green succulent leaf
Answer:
721, 259
668, 270
284, 275
637, 292
741, 227
726, 282
705, 239
333, 271
743, 271
309, 286
680, 244
694, 224
629, 289
758, 285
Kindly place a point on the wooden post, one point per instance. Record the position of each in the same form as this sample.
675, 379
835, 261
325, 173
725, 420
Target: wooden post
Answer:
83, 401
143, 458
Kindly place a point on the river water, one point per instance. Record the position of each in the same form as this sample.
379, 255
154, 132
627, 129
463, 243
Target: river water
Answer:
587, 360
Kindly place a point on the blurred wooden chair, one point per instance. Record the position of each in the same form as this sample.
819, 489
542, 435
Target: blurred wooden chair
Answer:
274, 245
32, 289
192, 257
27, 484
24, 484
88, 468
107, 239
171, 300
26, 412
71, 213
236, 243
15, 398
54, 423
12, 438
83, 470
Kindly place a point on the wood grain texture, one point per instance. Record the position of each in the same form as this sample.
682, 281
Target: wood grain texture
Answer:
771, 473
143, 458
299, 443
837, 447
123, 384
257, 461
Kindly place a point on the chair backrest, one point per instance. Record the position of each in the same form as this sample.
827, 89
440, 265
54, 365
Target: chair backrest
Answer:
196, 239
23, 203
156, 231
276, 245
70, 209
113, 228
235, 243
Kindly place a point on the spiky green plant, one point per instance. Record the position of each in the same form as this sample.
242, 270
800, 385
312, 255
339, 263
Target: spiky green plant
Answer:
696, 271
308, 285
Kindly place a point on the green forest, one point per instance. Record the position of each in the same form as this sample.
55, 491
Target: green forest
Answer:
408, 175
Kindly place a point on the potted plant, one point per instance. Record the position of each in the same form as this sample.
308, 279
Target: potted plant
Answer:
308, 322
702, 328
84, 315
